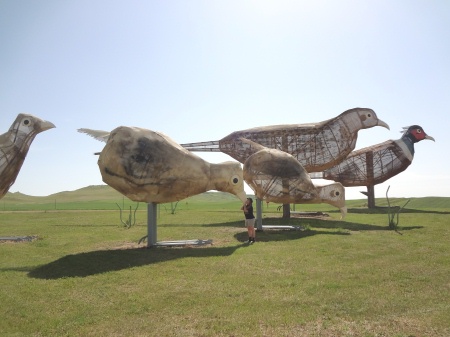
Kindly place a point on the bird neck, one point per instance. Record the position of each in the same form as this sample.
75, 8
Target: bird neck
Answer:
351, 123
410, 137
216, 181
409, 143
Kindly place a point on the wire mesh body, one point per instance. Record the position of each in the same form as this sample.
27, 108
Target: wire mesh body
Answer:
317, 146
12, 157
372, 165
14, 147
276, 176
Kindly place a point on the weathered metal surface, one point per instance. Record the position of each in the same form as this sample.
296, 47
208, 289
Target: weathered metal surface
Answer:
317, 146
276, 176
377, 163
14, 147
149, 166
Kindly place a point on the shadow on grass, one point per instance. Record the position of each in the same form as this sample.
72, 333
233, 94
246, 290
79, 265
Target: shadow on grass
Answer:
308, 222
385, 210
312, 223
353, 226
284, 235
103, 261
190, 225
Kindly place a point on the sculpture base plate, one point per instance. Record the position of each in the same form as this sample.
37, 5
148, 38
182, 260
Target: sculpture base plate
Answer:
26, 238
197, 242
292, 228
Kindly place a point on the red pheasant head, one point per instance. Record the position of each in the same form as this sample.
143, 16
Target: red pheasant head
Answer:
415, 133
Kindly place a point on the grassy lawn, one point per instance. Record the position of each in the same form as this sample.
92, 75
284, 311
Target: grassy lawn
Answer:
86, 275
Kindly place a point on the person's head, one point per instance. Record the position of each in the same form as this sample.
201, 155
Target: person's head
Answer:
249, 201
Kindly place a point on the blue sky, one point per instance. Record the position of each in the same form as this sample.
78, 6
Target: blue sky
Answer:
199, 70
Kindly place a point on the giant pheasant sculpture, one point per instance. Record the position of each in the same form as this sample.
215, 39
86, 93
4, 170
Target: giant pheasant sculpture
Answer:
276, 176
14, 146
375, 164
317, 146
148, 166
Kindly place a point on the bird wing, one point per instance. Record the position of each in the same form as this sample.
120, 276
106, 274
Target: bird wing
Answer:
316, 146
97, 134
5, 140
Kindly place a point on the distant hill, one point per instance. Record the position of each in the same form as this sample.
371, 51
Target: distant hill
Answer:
105, 197
92, 197
96, 193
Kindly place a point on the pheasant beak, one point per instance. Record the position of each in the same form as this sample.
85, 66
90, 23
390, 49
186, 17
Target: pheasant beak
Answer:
343, 212
242, 196
430, 138
383, 124
44, 125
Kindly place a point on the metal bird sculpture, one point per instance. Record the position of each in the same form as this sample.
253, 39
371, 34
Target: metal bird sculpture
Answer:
375, 164
14, 146
317, 146
276, 176
149, 166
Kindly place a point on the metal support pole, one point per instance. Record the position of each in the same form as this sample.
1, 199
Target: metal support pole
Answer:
370, 179
371, 196
151, 224
259, 214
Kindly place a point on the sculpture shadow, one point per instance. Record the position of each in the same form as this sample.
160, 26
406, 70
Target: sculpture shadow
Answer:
218, 224
103, 261
272, 235
313, 223
353, 226
385, 210
301, 222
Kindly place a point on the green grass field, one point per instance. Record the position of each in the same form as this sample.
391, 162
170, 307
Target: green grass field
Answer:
86, 275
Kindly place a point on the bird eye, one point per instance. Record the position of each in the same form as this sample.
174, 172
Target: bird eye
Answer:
369, 115
334, 193
26, 121
235, 180
419, 131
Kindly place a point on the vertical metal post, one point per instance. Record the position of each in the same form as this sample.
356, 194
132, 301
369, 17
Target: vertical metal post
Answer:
370, 179
371, 196
285, 182
259, 214
151, 224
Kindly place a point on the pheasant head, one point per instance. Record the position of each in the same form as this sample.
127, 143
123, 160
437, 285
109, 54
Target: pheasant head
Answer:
415, 133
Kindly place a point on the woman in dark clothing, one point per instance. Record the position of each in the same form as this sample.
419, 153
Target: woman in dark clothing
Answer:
249, 219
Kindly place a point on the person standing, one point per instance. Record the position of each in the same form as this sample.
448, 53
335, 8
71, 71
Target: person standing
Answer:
249, 219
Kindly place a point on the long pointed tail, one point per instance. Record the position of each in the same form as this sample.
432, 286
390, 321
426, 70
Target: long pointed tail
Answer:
212, 146
97, 134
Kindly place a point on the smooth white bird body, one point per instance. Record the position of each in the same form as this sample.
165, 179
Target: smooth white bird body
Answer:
148, 166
